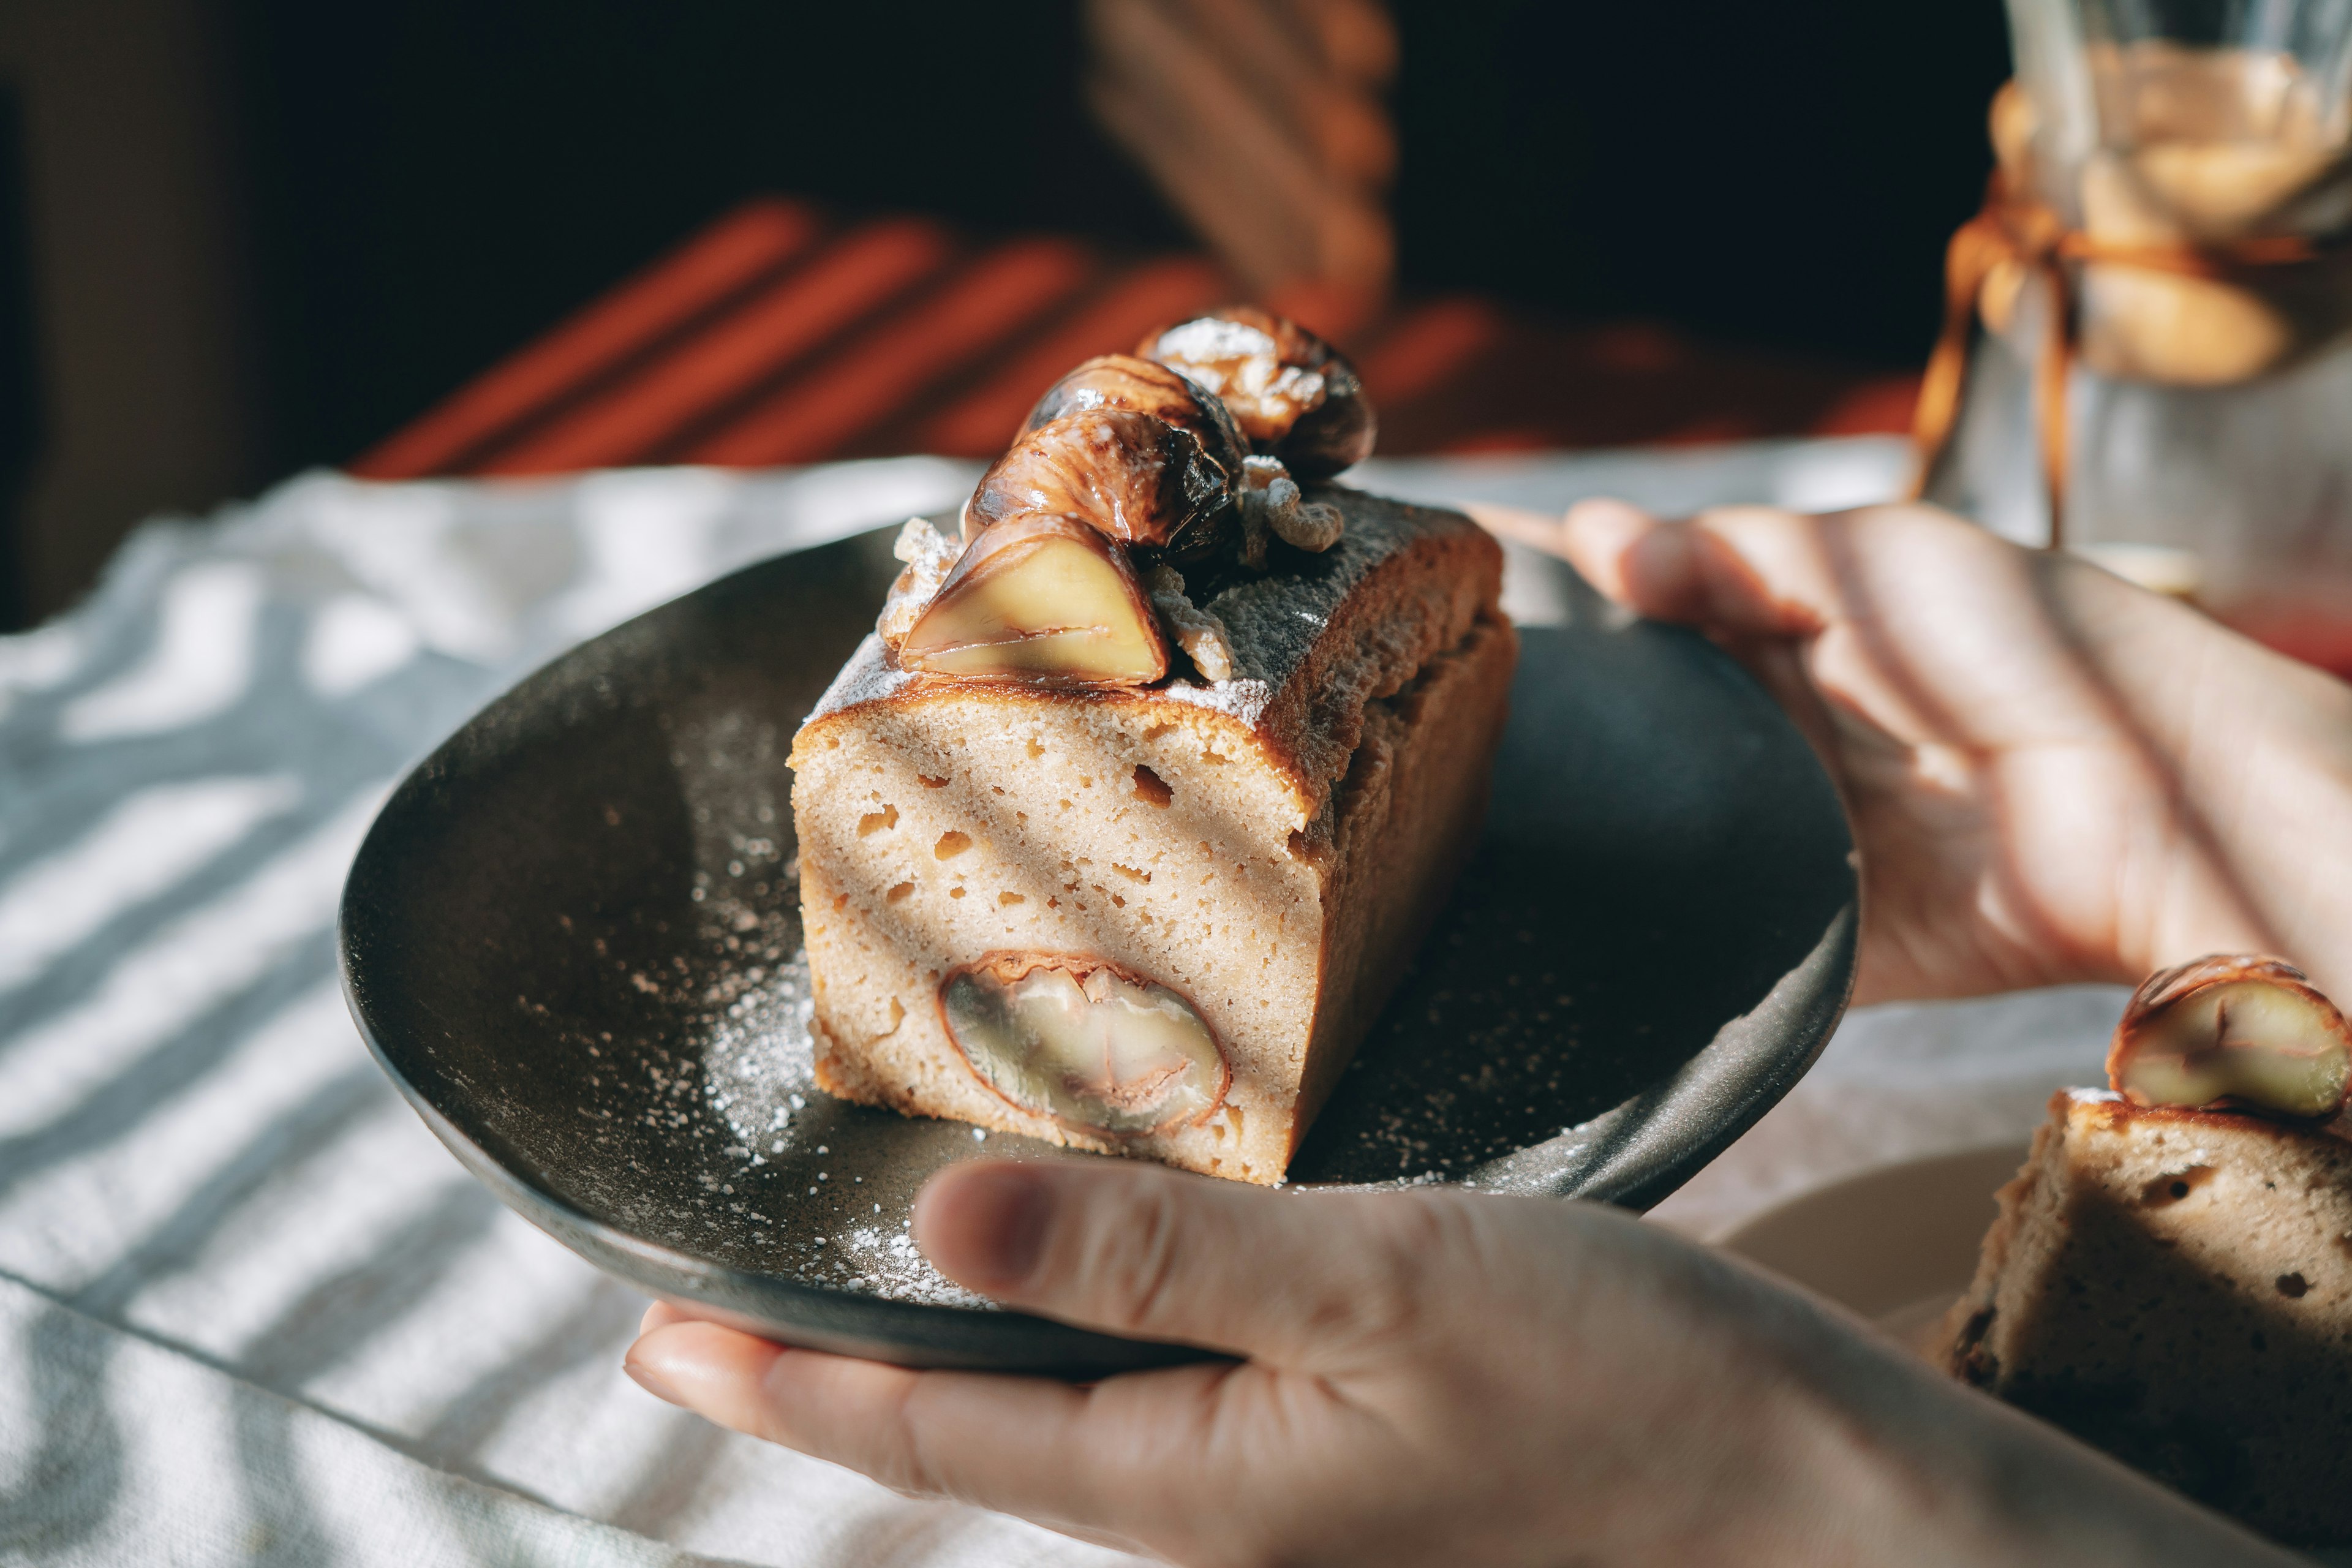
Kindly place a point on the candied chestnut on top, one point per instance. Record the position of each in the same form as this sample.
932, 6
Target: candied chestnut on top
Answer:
1134, 476
1293, 395
1042, 599
2244, 1031
1145, 386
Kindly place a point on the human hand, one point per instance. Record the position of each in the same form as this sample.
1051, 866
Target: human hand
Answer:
1432, 1376
2054, 775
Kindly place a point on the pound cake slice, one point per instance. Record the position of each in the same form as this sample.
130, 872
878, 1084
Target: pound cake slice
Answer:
1128, 856
2173, 1283
1156, 917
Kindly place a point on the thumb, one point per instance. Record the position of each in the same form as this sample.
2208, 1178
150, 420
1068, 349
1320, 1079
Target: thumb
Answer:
1287, 1278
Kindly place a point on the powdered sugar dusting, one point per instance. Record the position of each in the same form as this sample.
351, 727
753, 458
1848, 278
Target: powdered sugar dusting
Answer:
1240, 698
757, 1064
798, 1152
1272, 621
880, 1262
869, 677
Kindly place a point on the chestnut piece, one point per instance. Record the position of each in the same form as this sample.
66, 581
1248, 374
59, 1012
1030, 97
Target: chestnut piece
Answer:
1270, 503
929, 558
2233, 1030
1293, 395
1090, 1043
1043, 599
1144, 386
1135, 477
1197, 631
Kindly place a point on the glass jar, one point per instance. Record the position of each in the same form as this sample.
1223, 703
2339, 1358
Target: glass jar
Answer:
2174, 198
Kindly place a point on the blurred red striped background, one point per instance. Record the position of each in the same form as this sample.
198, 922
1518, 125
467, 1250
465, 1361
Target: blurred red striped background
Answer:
778, 335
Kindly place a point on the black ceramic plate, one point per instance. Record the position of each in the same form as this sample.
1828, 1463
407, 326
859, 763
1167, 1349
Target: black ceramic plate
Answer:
572, 939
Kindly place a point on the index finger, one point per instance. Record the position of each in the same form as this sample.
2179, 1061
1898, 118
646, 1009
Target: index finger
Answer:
1074, 1458
1749, 570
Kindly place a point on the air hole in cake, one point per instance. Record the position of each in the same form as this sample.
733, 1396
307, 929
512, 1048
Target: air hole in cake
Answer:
1092, 1045
873, 822
1131, 874
952, 844
1158, 730
1035, 751
1213, 758
1008, 899
1150, 787
2170, 1189
2292, 1286
898, 892
955, 892
930, 782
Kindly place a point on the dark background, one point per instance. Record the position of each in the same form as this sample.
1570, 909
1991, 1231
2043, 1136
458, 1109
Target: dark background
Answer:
20, 391
440, 181
419, 188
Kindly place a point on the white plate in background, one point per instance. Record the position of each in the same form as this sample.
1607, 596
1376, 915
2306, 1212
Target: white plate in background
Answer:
1896, 1245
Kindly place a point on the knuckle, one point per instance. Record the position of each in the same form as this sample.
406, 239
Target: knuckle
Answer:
1423, 1236
1134, 1251
906, 1466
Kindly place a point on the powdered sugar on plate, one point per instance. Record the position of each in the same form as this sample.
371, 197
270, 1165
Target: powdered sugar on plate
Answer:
757, 1065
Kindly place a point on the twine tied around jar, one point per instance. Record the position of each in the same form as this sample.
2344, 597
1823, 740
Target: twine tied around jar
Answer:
2018, 229
2208, 255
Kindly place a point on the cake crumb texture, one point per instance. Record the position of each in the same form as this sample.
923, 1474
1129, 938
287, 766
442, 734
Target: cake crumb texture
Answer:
2175, 1287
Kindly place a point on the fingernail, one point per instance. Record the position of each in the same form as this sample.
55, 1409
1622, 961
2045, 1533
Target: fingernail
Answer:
649, 1379
1006, 1224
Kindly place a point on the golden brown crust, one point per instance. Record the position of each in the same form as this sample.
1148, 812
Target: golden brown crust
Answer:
2113, 1113
1401, 829
1404, 583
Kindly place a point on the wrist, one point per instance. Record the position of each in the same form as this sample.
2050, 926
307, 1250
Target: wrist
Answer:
1886, 1461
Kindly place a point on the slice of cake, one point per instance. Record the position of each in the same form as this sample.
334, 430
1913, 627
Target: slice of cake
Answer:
1094, 856
2173, 1284
1263, 851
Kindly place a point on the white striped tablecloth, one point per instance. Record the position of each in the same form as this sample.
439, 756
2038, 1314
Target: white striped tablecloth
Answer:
249, 1310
